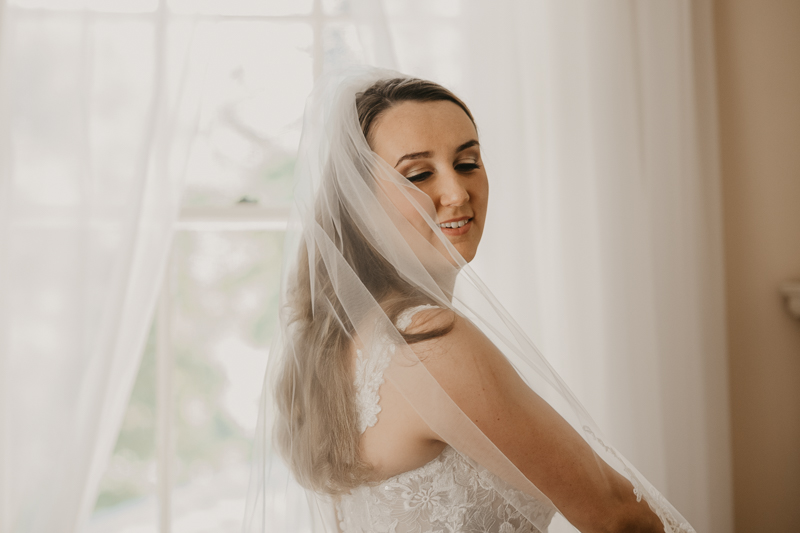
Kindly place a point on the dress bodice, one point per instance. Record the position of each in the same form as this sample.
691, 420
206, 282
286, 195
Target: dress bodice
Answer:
451, 493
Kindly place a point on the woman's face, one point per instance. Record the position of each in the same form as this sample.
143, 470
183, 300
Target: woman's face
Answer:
435, 146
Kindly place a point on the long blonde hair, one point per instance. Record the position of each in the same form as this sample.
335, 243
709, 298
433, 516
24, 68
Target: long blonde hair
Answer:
317, 432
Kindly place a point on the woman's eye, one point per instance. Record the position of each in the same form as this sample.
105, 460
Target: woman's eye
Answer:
419, 177
466, 167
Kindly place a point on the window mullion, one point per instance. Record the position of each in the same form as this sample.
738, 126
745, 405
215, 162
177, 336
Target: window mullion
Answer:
235, 218
317, 22
164, 405
164, 362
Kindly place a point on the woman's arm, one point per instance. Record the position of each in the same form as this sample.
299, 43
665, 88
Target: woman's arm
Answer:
477, 376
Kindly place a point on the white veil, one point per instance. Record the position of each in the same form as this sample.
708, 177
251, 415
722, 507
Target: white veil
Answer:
343, 189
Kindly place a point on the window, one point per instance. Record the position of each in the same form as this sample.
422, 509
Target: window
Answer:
182, 458
185, 439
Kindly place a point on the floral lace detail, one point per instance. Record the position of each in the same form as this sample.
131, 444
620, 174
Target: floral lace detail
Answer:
368, 379
450, 494
404, 319
369, 372
656, 501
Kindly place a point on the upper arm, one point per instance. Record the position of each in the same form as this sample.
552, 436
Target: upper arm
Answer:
545, 448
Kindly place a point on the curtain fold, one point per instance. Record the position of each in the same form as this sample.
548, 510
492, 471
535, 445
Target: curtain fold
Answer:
598, 129
95, 126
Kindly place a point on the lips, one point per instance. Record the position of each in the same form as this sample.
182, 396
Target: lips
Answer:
455, 222
458, 226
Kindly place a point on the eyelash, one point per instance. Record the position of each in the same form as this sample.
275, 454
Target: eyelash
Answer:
462, 167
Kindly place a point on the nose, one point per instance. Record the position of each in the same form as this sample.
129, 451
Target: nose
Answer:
453, 191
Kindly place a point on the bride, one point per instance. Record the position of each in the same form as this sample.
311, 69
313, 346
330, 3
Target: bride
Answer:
401, 395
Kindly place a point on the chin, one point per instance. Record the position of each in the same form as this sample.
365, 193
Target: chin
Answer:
467, 253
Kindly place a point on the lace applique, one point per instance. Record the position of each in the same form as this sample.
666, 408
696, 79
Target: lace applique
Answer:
368, 379
449, 494
655, 500
404, 319
369, 373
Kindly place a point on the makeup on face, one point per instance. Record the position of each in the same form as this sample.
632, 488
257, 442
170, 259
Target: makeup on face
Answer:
434, 145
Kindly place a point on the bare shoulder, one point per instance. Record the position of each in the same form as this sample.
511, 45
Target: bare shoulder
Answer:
473, 372
545, 448
463, 360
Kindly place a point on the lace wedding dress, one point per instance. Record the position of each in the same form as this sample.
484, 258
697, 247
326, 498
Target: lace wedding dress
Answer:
450, 494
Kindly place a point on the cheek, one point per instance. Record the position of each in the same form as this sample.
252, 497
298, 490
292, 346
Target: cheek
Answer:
480, 194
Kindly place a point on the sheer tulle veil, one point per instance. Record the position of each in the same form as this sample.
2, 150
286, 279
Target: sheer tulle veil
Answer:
351, 206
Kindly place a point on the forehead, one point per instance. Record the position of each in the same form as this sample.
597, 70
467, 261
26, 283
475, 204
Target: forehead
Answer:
421, 126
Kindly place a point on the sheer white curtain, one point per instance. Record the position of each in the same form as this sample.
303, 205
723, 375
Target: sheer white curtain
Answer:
603, 236
604, 232
94, 124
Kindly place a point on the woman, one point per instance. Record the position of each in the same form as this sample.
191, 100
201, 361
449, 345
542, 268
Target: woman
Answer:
405, 398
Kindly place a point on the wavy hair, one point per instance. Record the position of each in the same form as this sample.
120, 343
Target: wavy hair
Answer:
317, 432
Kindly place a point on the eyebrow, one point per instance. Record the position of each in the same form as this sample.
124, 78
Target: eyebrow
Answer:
415, 155
468, 144
423, 155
